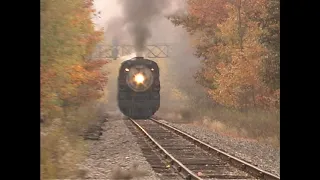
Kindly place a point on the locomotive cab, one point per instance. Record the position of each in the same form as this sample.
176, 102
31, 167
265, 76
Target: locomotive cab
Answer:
138, 88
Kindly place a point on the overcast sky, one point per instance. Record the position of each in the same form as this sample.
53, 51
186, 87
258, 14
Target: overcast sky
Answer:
108, 9
162, 29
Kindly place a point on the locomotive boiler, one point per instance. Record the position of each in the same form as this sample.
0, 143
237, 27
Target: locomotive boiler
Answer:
139, 88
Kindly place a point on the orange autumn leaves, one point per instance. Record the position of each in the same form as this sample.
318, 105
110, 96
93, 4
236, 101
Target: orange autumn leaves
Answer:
232, 69
208, 11
72, 85
89, 80
89, 74
68, 35
237, 75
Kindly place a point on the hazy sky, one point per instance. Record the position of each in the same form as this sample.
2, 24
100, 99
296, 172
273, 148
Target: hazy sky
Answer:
111, 8
108, 9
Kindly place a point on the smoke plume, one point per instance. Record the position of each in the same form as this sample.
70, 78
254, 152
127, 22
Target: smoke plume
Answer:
138, 14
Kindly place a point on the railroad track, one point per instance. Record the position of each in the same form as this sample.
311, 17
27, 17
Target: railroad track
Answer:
170, 151
156, 161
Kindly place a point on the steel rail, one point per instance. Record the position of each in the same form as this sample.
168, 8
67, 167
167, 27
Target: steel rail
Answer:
178, 166
255, 171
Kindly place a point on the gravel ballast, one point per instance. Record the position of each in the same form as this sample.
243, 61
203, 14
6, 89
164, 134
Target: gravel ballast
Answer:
116, 155
263, 156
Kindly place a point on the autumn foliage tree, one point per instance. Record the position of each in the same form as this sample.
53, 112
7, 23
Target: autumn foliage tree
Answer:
238, 42
68, 36
271, 39
69, 81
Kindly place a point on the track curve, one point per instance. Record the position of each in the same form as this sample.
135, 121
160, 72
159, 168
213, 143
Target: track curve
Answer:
190, 157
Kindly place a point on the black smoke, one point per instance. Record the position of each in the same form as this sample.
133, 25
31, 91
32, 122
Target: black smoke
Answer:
138, 14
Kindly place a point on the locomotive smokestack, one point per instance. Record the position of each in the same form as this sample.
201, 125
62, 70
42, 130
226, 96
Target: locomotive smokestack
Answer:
138, 14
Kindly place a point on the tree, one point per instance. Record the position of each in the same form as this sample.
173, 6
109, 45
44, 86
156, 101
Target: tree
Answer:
271, 39
233, 38
201, 20
69, 81
67, 37
240, 51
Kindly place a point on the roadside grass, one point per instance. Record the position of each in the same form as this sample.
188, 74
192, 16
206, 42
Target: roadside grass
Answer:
255, 125
62, 147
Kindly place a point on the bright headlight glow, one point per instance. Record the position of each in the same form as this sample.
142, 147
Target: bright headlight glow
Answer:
139, 78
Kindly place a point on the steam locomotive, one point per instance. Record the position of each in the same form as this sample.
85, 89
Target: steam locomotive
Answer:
139, 88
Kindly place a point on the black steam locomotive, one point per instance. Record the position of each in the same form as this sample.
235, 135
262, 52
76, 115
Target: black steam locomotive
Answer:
138, 88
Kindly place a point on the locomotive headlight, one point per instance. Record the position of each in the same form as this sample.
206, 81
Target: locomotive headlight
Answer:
139, 78
126, 69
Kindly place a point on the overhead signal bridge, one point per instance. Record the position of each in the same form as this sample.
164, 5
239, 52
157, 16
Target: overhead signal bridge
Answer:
114, 52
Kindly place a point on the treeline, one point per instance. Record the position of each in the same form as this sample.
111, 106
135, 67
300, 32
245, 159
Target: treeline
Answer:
67, 37
69, 80
239, 44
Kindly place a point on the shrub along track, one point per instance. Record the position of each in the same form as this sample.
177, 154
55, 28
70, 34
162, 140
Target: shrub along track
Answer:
94, 131
165, 146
